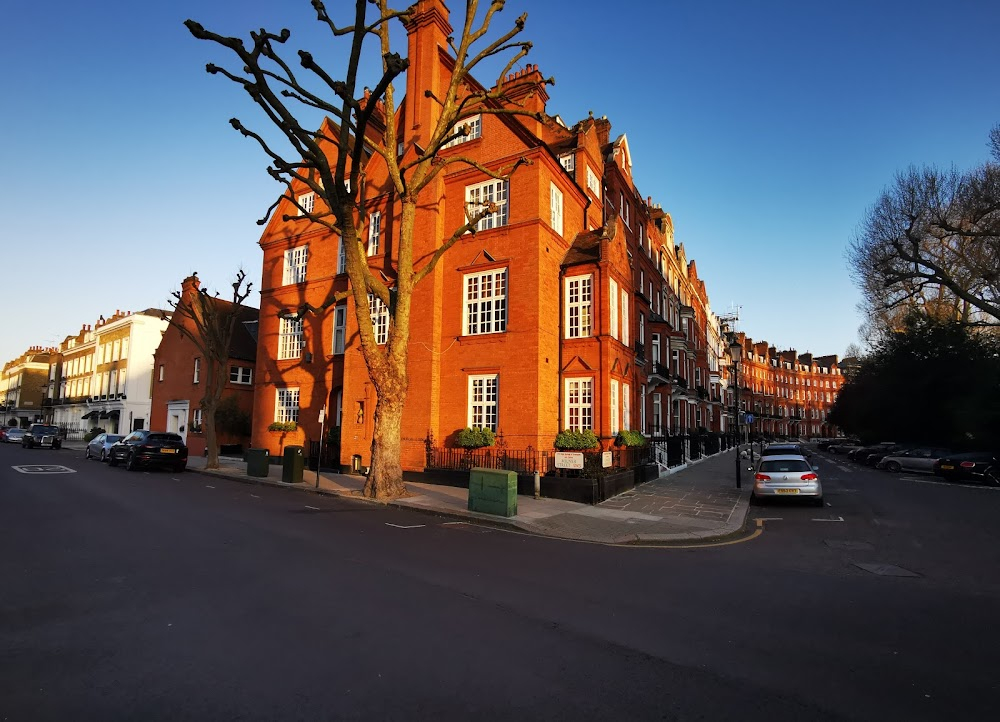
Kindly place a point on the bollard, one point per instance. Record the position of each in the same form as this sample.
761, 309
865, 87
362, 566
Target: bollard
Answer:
538, 486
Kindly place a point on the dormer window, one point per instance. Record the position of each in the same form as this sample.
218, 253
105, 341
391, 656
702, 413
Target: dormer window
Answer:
568, 161
306, 201
474, 129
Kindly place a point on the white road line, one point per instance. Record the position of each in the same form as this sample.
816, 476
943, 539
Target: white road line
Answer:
255, 496
839, 518
209, 486
314, 508
446, 523
953, 484
400, 526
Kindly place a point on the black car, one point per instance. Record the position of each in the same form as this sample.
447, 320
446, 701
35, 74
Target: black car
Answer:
41, 435
981, 466
146, 448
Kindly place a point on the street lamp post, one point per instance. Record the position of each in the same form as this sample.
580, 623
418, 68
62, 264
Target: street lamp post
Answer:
736, 352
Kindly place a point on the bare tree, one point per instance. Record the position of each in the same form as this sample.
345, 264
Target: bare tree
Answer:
931, 243
209, 323
332, 162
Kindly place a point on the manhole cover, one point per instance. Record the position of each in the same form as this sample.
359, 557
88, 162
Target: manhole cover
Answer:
43, 469
886, 570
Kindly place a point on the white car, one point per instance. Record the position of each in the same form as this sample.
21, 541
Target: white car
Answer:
787, 476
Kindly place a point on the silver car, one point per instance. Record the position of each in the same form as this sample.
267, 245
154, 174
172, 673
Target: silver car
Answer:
921, 460
789, 475
100, 445
15, 435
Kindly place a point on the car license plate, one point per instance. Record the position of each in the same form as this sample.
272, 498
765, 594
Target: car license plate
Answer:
947, 467
168, 451
786, 491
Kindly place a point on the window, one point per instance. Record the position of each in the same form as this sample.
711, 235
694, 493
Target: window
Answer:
625, 321
579, 404
196, 420
615, 410
197, 371
655, 346
286, 405
555, 208
657, 415
161, 372
614, 308
568, 161
240, 374
626, 407
116, 350
485, 302
380, 318
483, 402
290, 338
642, 328
295, 265
593, 182
125, 348
121, 381
374, 233
474, 129
623, 210
342, 258
339, 328
479, 197
306, 201
578, 297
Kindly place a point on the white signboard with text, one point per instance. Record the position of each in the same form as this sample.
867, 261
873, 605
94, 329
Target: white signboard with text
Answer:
569, 459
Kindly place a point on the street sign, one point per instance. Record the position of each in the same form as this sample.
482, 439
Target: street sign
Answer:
749, 418
569, 459
606, 459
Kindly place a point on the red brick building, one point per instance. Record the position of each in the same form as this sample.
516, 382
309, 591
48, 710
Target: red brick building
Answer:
179, 374
571, 307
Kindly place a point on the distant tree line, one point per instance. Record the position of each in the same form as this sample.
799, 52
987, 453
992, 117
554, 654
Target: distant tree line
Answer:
928, 381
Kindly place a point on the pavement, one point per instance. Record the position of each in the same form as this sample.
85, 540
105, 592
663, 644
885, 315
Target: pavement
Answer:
694, 504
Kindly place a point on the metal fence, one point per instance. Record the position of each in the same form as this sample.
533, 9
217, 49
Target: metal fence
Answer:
527, 461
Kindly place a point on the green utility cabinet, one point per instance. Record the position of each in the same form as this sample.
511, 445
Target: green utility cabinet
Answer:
257, 462
293, 464
493, 491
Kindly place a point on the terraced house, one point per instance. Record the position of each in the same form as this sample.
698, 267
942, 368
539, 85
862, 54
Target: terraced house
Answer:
571, 307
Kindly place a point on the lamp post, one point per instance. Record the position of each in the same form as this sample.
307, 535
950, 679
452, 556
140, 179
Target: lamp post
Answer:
736, 353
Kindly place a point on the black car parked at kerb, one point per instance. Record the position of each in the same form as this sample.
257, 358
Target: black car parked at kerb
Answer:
41, 435
981, 466
149, 448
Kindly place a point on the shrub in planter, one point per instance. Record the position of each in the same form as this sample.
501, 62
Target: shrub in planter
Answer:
283, 426
92, 434
576, 440
630, 437
475, 438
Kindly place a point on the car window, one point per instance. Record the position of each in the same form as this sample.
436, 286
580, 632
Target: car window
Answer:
779, 465
112, 438
165, 437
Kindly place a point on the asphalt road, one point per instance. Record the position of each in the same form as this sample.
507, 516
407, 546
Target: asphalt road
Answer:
155, 595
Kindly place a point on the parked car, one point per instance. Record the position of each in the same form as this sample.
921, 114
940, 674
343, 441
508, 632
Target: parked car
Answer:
787, 475
14, 435
3, 433
883, 450
145, 448
920, 459
861, 452
971, 466
100, 446
783, 448
843, 446
41, 435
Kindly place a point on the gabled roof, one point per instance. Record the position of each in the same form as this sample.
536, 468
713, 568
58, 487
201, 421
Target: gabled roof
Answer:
586, 248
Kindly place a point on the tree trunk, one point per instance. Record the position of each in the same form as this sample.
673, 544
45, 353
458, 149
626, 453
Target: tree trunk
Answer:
208, 427
385, 477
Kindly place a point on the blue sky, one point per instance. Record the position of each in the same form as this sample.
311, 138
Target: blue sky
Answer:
765, 129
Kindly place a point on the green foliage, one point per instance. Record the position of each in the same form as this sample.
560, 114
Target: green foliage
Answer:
630, 437
12, 422
93, 433
576, 440
936, 383
469, 438
230, 418
282, 426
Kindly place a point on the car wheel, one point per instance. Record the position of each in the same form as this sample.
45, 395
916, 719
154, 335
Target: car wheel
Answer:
992, 476
104, 456
112, 461
56, 445
86, 454
893, 466
130, 463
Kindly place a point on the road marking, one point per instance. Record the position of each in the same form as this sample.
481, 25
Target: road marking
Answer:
839, 518
209, 486
954, 484
453, 522
314, 508
770, 518
43, 469
255, 496
401, 526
